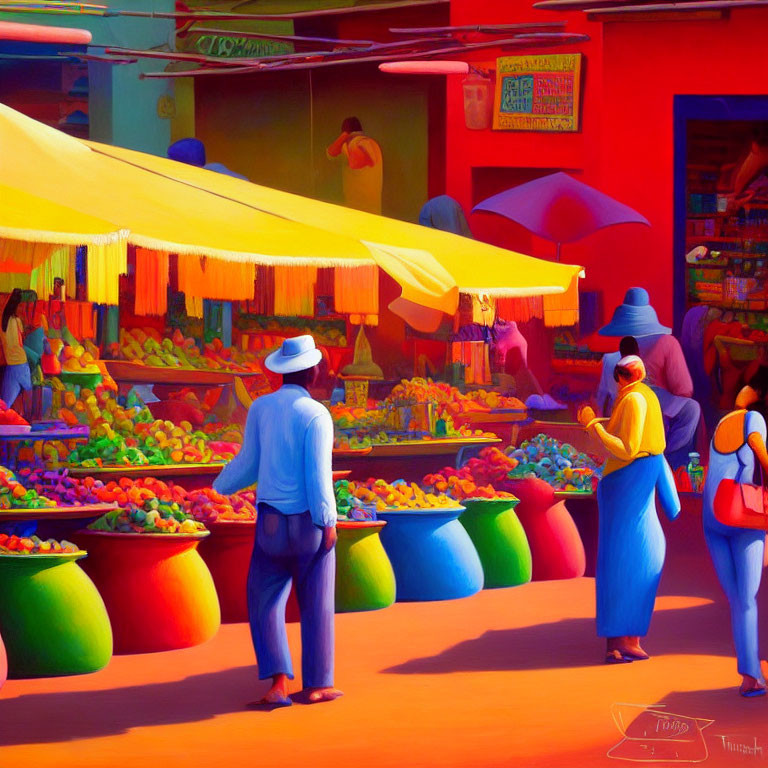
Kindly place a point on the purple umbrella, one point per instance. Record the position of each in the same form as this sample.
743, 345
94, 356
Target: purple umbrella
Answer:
560, 209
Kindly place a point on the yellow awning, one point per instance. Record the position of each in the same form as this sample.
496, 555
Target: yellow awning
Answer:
29, 217
169, 214
476, 267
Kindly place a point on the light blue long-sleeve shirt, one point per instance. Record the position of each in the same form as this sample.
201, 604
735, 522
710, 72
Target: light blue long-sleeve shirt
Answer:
288, 450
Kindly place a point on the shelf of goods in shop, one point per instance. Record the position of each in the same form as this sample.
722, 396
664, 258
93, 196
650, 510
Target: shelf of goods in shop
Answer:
259, 331
569, 356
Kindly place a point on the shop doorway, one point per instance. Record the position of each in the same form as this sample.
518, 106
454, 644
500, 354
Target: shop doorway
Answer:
713, 138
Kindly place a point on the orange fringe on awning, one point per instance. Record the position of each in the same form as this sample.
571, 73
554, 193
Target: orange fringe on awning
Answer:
208, 278
520, 310
79, 318
356, 293
562, 309
295, 291
151, 282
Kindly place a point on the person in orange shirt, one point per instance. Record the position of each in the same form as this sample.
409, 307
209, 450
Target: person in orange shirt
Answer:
362, 175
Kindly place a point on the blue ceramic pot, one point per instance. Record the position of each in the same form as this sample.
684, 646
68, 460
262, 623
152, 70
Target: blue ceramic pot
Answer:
431, 554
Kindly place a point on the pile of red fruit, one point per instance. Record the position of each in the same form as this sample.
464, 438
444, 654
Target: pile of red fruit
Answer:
477, 479
208, 506
32, 545
10, 418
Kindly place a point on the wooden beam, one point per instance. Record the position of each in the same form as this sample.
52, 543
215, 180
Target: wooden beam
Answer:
622, 6
627, 15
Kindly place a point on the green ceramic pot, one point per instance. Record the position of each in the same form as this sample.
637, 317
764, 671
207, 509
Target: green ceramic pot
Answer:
500, 540
365, 580
52, 618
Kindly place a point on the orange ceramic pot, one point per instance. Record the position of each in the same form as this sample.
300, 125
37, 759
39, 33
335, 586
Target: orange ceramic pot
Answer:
159, 593
227, 553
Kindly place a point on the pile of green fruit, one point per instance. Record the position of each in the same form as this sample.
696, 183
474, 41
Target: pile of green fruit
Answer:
154, 516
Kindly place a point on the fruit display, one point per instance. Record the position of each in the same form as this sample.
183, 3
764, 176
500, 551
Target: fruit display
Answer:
208, 506
448, 398
205, 505
10, 418
381, 495
148, 346
476, 479
327, 334
14, 495
128, 435
32, 545
153, 516
78, 358
558, 464
346, 442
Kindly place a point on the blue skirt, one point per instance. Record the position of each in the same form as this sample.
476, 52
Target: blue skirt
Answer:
631, 544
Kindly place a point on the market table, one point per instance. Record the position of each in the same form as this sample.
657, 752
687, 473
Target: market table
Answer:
8, 456
500, 541
431, 553
158, 591
127, 372
505, 424
75, 512
52, 618
409, 460
556, 547
191, 476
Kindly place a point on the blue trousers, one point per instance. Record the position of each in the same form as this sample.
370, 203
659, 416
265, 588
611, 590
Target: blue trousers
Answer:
288, 549
737, 554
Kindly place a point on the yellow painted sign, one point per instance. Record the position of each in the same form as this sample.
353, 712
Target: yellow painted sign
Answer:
538, 93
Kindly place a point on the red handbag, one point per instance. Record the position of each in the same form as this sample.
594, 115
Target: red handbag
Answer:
740, 505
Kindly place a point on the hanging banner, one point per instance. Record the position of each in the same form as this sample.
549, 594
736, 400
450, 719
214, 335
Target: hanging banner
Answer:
538, 93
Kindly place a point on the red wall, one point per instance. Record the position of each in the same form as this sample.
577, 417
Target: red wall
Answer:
625, 147
646, 65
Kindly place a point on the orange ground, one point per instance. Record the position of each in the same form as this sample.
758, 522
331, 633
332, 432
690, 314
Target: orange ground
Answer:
508, 677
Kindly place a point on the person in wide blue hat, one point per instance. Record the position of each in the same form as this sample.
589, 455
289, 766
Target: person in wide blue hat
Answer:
667, 371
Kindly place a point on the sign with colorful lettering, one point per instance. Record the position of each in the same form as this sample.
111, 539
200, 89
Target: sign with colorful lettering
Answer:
538, 93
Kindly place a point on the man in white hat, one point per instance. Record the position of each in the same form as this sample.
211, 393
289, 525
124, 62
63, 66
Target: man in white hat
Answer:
287, 449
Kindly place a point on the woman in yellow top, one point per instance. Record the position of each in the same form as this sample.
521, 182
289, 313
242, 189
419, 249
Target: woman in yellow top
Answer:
17, 374
631, 544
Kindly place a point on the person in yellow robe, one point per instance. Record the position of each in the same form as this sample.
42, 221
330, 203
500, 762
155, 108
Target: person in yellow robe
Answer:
631, 543
362, 174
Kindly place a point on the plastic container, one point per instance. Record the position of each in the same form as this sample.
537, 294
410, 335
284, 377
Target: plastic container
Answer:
365, 580
52, 619
159, 593
431, 554
500, 541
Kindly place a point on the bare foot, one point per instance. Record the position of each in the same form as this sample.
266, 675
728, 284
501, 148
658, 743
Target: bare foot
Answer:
277, 695
316, 695
751, 687
634, 649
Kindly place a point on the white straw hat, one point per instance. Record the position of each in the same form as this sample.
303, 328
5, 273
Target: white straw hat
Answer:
296, 354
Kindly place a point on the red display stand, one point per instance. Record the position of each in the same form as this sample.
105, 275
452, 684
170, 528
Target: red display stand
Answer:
159, 593
556, 547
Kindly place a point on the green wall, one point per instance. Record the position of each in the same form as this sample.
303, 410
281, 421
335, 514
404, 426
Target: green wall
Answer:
123, 108
264, 127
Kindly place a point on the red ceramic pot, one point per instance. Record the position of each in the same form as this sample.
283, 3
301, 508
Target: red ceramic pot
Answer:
158, 591
556, 547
